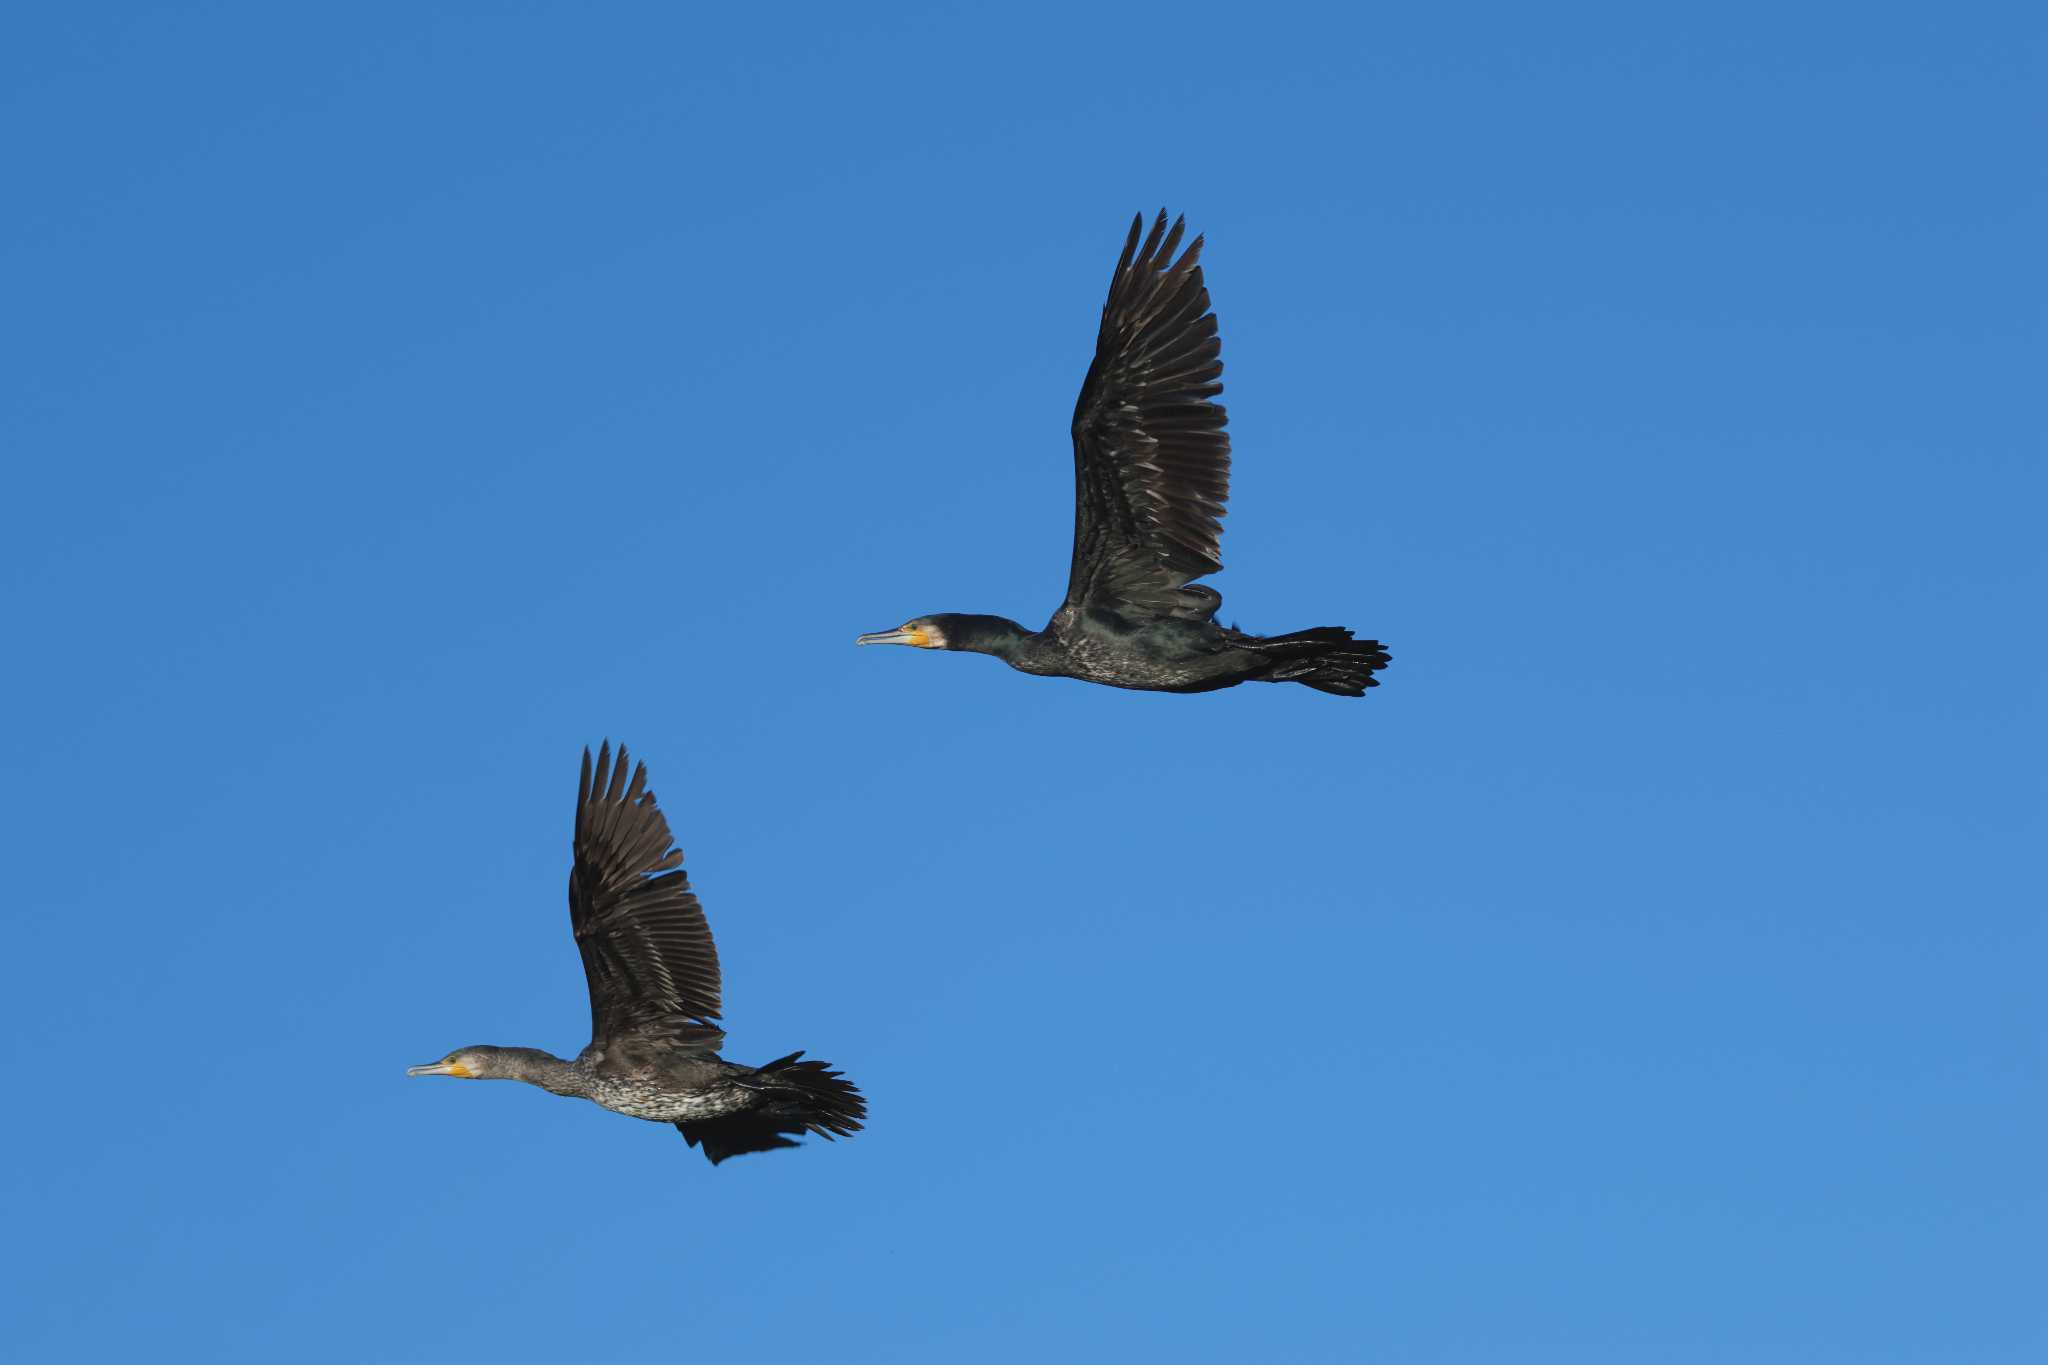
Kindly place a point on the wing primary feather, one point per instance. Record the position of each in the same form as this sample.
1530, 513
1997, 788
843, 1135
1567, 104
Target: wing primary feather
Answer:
647, 950
1151, 458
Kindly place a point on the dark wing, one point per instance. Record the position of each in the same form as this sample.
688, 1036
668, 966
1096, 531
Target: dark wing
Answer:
1151, 459
646, 949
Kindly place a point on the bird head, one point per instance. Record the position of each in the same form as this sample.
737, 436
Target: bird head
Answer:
925, 632
469, 1064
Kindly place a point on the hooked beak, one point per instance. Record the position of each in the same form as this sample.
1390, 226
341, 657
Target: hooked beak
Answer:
441, 1069
902, 635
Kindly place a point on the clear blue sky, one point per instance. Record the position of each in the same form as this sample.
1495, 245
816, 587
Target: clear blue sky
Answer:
397, 401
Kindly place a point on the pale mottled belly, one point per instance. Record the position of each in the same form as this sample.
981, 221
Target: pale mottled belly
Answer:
668, 1106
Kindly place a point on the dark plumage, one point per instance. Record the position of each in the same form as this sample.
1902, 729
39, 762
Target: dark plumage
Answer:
654, 996
1151, 476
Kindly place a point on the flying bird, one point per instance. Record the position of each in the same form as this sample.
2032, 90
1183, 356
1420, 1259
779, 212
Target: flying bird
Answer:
654, 996
1151, 476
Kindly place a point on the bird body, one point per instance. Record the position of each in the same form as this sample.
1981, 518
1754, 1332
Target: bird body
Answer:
1149, 656
680, 1094
1151, 477
654, 997
1160, 654
666, 1087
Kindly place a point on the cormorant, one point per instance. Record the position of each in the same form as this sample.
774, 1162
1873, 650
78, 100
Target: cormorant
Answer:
654, 990
1151, 475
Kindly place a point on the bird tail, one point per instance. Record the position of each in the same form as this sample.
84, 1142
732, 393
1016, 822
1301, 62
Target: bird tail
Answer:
795, 1097
1326, 658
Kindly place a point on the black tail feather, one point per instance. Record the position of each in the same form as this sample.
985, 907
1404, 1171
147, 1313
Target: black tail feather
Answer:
796, 1097
1326, 658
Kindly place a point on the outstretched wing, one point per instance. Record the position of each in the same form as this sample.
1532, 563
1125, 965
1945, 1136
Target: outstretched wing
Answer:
1151, 458
646, 949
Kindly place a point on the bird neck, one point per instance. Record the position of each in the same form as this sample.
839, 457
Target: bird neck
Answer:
543, 1069
997, 635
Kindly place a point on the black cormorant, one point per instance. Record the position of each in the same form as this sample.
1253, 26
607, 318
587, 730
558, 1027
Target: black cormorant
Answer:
1151, 475
654, 990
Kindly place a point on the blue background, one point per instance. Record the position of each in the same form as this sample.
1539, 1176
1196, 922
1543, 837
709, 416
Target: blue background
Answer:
401, 397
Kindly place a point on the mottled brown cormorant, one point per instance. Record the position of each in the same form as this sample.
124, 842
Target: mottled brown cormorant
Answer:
1151, 475
654, 990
